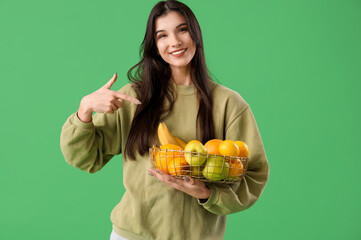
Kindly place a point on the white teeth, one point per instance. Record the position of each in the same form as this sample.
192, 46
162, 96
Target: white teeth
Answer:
179, 52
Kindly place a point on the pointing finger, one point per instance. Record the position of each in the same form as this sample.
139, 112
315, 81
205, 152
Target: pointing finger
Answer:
118, 103
127, 97
111, 81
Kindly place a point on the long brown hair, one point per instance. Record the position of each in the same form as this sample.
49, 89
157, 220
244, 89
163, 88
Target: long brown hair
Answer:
151, 77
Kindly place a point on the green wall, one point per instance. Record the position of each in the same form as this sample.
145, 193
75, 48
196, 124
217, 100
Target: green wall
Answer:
297, 63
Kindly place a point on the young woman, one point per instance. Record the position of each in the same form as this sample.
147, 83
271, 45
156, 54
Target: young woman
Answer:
170, 84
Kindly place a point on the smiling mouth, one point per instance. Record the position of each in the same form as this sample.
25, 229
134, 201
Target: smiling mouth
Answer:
179, 53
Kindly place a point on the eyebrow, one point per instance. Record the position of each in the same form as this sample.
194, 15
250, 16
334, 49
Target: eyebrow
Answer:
182, 24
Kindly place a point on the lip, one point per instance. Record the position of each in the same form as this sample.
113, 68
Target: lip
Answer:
178, 50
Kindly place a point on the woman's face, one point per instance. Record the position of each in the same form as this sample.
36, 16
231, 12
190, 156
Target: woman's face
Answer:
174, 43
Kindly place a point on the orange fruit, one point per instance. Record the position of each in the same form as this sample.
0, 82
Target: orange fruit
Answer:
235, 169
228, 148
167, 150
212, 146
243, 149
171, 146
165, 155
161, 162
178, 167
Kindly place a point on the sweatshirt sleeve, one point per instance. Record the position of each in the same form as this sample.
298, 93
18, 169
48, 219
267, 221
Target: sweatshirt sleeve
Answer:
230, 198
89, 146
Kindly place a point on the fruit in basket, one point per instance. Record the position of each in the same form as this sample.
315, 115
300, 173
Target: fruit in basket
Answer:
171, 147
170, 151
165, 136
212, 146
235, 169
178, 167
180, 142
229, 148
243, 149
161, 161
216, 168
165, 154
198, 155
196, 171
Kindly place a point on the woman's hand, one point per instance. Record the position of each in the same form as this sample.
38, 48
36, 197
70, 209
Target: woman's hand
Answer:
102, 100
191, 186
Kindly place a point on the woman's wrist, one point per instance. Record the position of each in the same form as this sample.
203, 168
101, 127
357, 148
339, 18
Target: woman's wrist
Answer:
207, 194
84, 114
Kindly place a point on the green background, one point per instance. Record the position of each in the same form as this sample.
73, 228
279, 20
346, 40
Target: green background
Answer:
297, 63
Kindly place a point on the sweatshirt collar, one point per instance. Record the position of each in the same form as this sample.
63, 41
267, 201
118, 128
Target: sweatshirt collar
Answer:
185, 89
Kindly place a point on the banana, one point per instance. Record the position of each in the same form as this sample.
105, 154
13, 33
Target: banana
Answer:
180, 142
165, 136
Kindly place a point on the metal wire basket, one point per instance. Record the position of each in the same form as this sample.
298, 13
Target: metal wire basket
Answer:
201, 166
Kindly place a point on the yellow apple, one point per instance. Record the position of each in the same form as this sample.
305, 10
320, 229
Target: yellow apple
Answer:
195, 153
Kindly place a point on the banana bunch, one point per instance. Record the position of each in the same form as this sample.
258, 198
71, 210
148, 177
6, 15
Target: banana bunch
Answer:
166, 137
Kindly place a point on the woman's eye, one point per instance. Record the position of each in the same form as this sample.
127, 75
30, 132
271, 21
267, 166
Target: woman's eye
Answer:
180, 30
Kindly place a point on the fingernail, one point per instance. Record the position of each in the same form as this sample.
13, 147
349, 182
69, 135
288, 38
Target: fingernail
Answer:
138, 102
149, 173
186, 179
157, 171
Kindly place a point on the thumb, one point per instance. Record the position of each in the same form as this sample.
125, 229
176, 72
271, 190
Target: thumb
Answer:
109, 84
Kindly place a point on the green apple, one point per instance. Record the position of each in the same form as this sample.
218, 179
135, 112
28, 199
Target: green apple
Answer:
216, 168
198, 155
196, 171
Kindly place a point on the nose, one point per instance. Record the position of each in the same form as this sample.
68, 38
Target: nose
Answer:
175, 41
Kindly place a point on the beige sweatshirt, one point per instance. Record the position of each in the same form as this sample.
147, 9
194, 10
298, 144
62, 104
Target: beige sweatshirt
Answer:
150, 209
